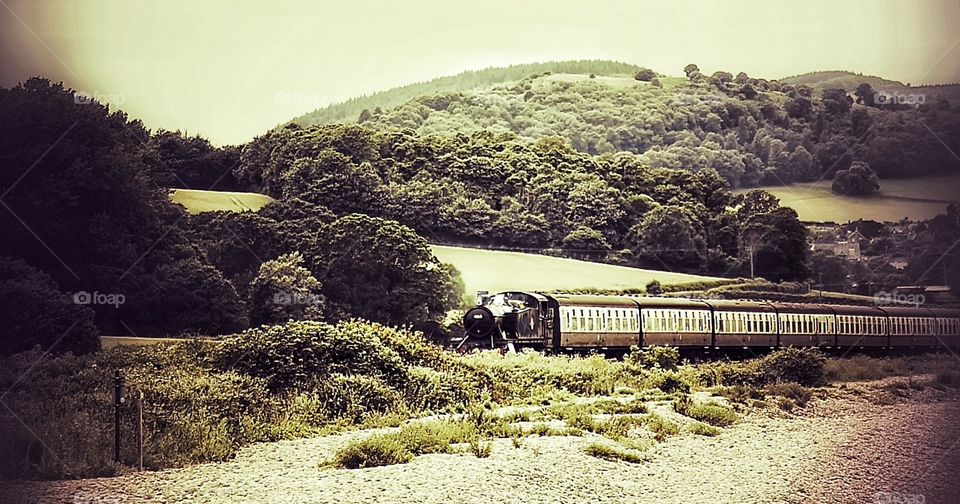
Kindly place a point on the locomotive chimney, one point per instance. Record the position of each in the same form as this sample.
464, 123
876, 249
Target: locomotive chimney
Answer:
482, 297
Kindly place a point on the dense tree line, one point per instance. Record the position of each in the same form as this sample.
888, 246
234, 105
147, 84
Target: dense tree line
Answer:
488, 188
751, 131
92, 245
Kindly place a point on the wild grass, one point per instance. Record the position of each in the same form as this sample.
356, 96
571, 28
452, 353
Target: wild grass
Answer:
702, 429
614, 453
710, 413
661, 427
864, 368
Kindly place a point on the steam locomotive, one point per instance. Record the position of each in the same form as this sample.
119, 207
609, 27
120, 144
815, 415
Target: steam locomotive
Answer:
560, 322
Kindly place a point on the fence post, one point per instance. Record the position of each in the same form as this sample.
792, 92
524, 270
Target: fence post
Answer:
117, 403
140, 431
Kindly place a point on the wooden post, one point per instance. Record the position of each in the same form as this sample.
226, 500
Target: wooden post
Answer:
140, 430
117, 403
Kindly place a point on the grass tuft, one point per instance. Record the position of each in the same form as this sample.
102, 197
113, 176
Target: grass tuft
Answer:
614, 453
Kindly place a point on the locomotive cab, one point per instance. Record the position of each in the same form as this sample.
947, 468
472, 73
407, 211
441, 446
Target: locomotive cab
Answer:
507, 318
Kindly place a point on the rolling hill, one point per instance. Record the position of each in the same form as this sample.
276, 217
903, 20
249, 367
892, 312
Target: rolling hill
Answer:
350, 110
496, 271
197, 201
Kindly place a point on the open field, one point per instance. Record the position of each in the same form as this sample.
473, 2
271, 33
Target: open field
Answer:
197, 201
916, 199
496, 271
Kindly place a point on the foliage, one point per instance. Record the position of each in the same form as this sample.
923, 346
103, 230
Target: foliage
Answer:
710, 413
858, 180
284, 290
33, 312
614, 453
85, 180
373, 451
655, 357
702, 429
804, 366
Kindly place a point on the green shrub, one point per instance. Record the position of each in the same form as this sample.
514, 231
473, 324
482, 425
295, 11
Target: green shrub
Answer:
799, 394
804, 366
480, 449
661, 427
613, 453
741, 393
655, 357
667, 381
353, 398
702, 429
373, 451
710, 413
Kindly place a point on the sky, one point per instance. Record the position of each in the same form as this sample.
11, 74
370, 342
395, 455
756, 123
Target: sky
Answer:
230, 70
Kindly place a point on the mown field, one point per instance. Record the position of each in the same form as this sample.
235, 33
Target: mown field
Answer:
197, 201
496, 271
916, 199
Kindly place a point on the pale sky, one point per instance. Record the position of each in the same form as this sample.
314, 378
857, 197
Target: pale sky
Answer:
232, 69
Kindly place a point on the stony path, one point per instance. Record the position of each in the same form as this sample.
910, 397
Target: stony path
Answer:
843, 449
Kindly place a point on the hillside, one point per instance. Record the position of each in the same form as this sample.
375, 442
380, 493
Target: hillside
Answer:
496, 271
841, 79
197, 201
915, 199
350, 110
753, 132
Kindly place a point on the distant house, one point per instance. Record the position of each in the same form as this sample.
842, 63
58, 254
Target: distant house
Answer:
849, 250
856, 236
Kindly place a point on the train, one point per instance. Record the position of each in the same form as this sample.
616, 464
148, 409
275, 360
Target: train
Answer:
567, 322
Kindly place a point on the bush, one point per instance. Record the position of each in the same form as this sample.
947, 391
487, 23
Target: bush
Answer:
656, 357
702, 429
613, 453
797, 393
373, 451
661, 427
34, 312
667, 381
804, 366
710, 413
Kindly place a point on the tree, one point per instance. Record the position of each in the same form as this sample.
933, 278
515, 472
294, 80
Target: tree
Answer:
645, 74
34, 312
858, 180
865, 95
836, 101
98, 203
722, 76
670, 235
378, 270
585, 241
284, 290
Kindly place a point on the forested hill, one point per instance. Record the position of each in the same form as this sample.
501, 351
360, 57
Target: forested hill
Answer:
351, 109
841, 79
752, 131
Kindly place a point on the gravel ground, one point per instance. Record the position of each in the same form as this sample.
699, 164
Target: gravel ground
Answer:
858, 444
